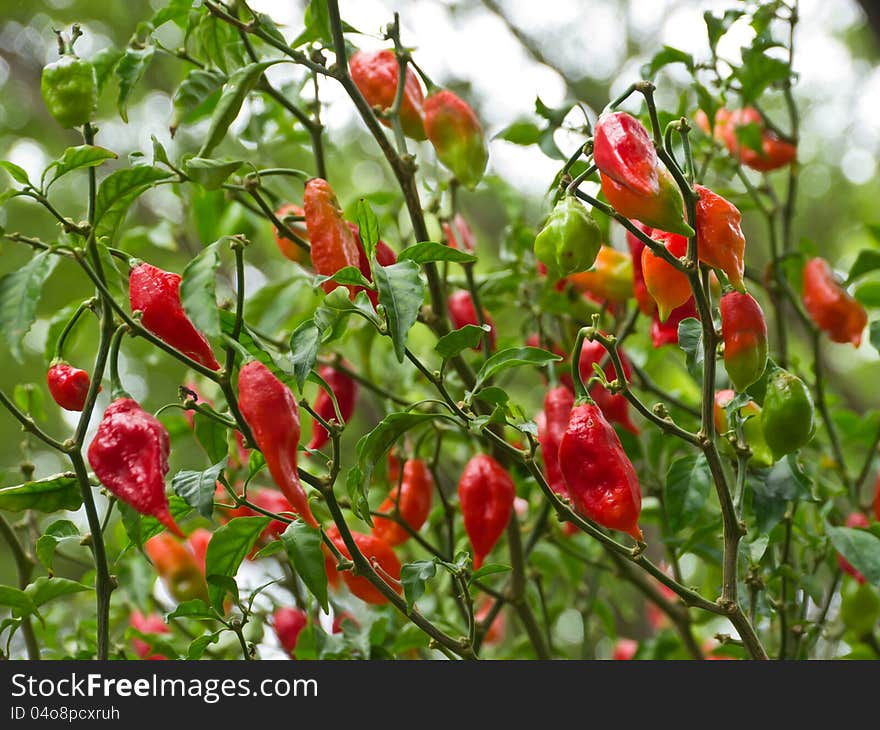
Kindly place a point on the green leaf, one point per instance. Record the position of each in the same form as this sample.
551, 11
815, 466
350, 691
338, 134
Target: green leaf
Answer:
273, 548
758, 71
774, 488
687, 487
751, 136
30, 399
868, 293
176, 10
194, 608
347, 275
401, 292
414, 576
717, 27
368, 227
373, 446
201, 643
105, 62
195, 96
51, 494
859, 547
230, 545
129, 71
304, 344
17, 599
140, 528
118, 191
427, 251
489, 569
868, 260
210, 174
302, 543
212, 436
513, 357
20, 292
665, 57
197, 488
235, 91
58, 532
523, 133
76, 158
116, 283
317, 22
198, 290
18, 174
874, 335
45, 589
690, 339
457, 341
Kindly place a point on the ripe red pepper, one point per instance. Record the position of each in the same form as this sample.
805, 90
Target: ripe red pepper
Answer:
68, 385
775, 152
288, 623
333, 244
495, 633
376, 74
602, 482
345, 389
666, 333
744, 331
152, 624
178, 568
198, 543
855, 520
646, 302
625, 649
457, 136
463, 231
270, 409
156, 295
623, 151
668, 286
720, 240
614, 406
552, 422
129, 455
375, 550
664, 211
831, 307
287, 247
462, 312
413, 505
486, 493
610, 279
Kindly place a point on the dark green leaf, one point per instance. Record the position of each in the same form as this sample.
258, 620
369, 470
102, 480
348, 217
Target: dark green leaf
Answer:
860, 547
210, 174
489, 569
427, 251
198, 290
414, 576
687, 487
20, 292
373, 446
750, 136
200, 644
17, 599
867, 261
457, 341
304, 344
357, 490
317, 22
665, 57
44, 495
874, 335
130, 69
758, 71
717, 27
401, 292
195, 96
690, 339
45, 589
118, 191
105, 62
303, 546
774, 488
273, 548
75, 158
212, 436
368, 227
59, 531
140, 528
197, 488
513, 357
347, 275
868, 293
230, 545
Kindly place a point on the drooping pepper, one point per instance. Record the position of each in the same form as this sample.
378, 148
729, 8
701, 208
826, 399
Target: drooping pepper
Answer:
68, 385
720, 240
601, 480
646, 302
270, 409
129, 455
288, 622
744, 331
156, 295
552, 422
666, 333
462, 312
376, 74
457, 136
775, 152
569, 240
152, 624
70, 89
333, 244
346, 390
753, 433
459, 229
177, 567
665, 210
413, 504
668, 286
788, 415
375, 550
485, 493
610, 280
855, 520
614, 406
830, 306
287, 247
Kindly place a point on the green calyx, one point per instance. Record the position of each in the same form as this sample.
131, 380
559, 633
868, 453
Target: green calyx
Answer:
70, 90
788, 416
570, 239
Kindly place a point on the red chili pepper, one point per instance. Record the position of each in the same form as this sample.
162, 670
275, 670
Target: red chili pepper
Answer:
614, 406
413, 505
668, 286
833, 310
495, 633
666, 333
129, 455
552, 422
269, 500
288, 623
486, 493
744, 331
855, 520
775, 152
198, 543
457, 136
646, 302
664, 211
375, 550
462, 312
345, 389
333, 244
625, 649
602, 482
156, 295
623, 151
464, 232
287, 247
68, 385
376, 74
720, 240
152, 624
270, 409
178, 568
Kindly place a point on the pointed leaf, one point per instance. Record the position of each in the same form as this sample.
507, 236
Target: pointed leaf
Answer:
130, 69
228, 547
414, 576
20, 292
303, 546
118, 191
198, 290
44, 495
457, 341
514, 357
45, 589
427, 251
859, 547
76, 158
197, 488
687, 487
196, 95
401, 292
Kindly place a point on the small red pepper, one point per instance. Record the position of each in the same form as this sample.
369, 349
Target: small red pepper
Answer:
287, 247
376, 74
859, 521
178, 567
333, 244
269, 500
413, 505
668, 286
374, 549
463, 232
486, 493
457, 136
623, 151
462, 312
288, 623
68, 385
346, 390
666, 333
744, 331
774, 153
552, 422
830, 306
720, 240
625, 649
152, 624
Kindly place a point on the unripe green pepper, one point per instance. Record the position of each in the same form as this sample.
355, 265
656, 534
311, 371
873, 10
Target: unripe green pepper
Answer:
70, 90
860, 607
788, 414
569, 240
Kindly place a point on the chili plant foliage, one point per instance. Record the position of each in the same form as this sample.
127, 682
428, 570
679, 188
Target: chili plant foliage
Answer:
430, 507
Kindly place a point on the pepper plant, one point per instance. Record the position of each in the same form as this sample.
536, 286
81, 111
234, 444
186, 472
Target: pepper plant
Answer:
660, 506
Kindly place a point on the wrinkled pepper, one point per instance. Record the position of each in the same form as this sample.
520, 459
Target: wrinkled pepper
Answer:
69, 386
70, 89
830, 306
552, 422
787, 417
376, 74
720, 240
611, 279
668, 286
346, 390
463, 312
375, 550
623, 151
775, 152
569, 240
665, 210
412, 501
333, 244
744, 332
457, 136
485, 493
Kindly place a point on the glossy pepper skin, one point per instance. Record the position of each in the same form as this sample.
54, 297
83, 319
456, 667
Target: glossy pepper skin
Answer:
623, 152
753, 433
720, 240
129, 455
414, 503
486, 494
346, 390
666, 333
69, 386
333, 244
376, 74
288, 623
287, 247
570, 239
668, 286
646, 302
774, 153
663, 210
462, 312
601, 480
788, 414
744, 331
156, 295
270, 409
613, 405
177, 567
457, 136
859, 521
152, 624
70, 90
375, 550
552, 422
611, 279
829, 305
